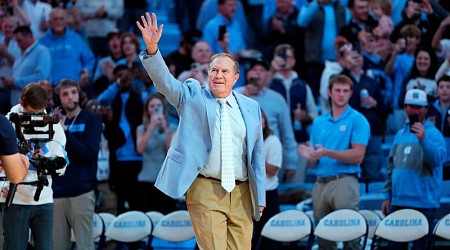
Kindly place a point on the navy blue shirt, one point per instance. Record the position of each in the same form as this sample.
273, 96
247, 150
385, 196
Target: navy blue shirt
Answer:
83, 139
8, 141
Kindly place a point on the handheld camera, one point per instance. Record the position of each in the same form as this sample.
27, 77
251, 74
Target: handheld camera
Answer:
28, 139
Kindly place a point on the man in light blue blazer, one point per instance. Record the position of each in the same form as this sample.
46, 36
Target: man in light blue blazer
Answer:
221, 219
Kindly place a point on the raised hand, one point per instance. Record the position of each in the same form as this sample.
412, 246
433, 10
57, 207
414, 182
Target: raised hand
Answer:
150, 32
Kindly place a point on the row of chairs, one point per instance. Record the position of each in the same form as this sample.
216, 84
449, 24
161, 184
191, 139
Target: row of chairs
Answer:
344, 225
151, 230
174, 230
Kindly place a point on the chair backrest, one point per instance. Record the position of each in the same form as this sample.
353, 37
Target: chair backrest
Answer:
342, 225
288, 226
107, 218
310, 213
155, 216
442, 228
304, 205
403, 226
380, 213
175, 227
130, 227
372, 219
98, 226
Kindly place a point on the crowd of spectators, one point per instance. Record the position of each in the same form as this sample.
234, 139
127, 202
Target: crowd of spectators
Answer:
288, 50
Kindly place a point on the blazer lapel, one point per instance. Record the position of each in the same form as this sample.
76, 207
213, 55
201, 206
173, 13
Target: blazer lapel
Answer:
211, 106
247, 120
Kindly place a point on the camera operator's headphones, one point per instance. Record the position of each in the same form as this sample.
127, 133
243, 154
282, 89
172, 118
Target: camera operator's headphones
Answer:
67, 82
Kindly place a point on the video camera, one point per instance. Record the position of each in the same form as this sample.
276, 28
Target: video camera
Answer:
26, 124
28, 139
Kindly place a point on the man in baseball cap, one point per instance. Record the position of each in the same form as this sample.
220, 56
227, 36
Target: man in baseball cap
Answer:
415, 161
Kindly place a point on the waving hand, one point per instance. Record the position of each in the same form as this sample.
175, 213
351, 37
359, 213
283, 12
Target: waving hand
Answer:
150, 32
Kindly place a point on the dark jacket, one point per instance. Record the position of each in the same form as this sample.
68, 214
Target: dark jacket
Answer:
314, 32
82, 147
133, 112
297, 94
376, 116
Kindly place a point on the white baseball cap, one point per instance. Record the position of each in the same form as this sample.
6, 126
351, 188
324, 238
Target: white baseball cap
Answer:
416, 97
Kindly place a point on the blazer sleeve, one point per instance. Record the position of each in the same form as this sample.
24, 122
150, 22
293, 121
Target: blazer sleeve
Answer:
175, 91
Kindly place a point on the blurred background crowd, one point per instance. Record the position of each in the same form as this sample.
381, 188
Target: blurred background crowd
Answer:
287, 49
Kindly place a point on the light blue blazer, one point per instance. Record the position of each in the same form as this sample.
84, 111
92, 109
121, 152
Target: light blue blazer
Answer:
192, 143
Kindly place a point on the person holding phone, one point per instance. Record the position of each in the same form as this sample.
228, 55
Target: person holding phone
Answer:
415, 162
226, 16
153, 138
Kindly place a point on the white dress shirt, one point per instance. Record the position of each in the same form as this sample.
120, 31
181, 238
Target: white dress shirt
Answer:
212, 167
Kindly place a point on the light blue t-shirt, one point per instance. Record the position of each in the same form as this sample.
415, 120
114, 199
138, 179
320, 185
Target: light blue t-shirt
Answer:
329, 33
402, 66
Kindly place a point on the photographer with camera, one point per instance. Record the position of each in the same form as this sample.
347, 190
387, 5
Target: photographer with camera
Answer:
74, 192
32, 205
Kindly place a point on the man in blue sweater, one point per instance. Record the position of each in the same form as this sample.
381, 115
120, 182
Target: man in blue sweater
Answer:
414, 178
73, 193
69, 52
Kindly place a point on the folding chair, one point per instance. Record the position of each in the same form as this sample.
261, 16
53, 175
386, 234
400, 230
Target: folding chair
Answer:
130, 228
174, 231
404, 225
155, 216
289, 226
372, 219
442, 229
107, 220
342, 225
310, 214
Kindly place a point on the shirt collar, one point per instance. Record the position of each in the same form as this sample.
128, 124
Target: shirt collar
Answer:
231, 100
342, 116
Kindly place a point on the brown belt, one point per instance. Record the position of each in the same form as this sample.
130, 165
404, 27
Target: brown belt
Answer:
215, 179
333, 178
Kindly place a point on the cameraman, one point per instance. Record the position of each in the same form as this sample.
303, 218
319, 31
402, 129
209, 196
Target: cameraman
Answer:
14, 164
25, 213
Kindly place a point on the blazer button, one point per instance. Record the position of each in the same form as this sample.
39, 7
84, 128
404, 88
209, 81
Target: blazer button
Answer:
208, 150
198, 169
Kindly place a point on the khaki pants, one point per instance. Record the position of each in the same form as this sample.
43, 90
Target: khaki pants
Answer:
74, 213
221, 220
328, 197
